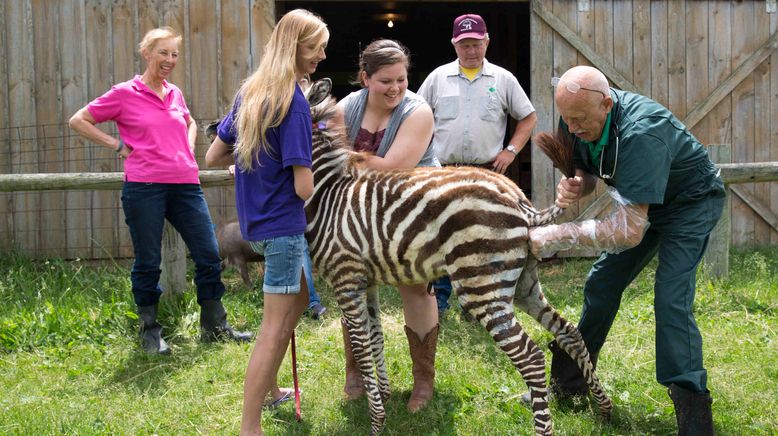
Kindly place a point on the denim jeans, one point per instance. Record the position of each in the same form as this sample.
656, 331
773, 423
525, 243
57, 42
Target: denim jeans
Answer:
283, 262
146, 206
442, 288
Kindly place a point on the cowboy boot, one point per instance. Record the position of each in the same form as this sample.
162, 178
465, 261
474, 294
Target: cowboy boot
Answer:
151, 331
354, 387
692, 411
423, 357
214, 326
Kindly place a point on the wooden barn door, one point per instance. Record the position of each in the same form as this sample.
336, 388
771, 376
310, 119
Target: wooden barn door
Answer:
708, 62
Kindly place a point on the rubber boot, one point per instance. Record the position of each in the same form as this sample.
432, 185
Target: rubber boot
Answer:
566, 377
423, 357
355, 386
151, 331
214, 326
692, 411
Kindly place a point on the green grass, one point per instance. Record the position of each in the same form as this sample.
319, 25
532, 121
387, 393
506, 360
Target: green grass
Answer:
69, 362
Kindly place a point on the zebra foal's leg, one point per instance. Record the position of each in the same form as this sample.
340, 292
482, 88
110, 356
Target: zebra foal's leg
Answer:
377, 341
497, 316
355, 310
529, 297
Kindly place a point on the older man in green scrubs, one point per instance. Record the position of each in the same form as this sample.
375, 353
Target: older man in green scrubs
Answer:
675, 197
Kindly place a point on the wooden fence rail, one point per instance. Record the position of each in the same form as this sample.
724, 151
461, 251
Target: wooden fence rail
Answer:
173, 252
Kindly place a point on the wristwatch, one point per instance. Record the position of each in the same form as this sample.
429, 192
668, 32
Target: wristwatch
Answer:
512, 149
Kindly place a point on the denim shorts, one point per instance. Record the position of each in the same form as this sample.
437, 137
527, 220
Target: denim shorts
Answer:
283, 263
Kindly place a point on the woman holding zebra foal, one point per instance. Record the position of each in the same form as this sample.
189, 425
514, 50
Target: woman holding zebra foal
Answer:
157, 141
394, 126
270, 127
638, 147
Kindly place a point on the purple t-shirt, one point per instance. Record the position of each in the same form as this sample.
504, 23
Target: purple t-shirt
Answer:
267, 203
156, 131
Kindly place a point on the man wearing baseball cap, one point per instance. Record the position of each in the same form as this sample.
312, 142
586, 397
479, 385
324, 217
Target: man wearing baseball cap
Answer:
471, 99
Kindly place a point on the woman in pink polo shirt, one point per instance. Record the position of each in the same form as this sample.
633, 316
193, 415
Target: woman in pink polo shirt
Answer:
157, 140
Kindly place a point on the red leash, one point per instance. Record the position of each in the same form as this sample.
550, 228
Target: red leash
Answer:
297, 412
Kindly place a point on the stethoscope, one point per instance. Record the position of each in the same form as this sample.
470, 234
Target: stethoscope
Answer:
615, 124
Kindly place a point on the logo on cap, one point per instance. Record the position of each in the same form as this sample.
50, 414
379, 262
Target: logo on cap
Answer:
469, 26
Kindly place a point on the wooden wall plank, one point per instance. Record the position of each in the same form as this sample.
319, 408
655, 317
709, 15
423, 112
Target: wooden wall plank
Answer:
21, 97
74, 97
100, 79
565, 57
202, 41
541, 71
744, 118
676, 58
235, 31
6, 203
641, 45
659, 53
697, 62
148, 17
763, 226
719, 67
263, 20
49, 133
202, 62
623, 35
603, 30
124, 40
773, 125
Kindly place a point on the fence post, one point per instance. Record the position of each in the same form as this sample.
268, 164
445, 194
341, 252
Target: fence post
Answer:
716, 260
173, 278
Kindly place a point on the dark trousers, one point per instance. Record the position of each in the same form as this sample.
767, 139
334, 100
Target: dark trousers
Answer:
679, 239
146, 206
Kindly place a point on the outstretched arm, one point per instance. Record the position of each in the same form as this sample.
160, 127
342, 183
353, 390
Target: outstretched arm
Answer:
409, 145
622, 229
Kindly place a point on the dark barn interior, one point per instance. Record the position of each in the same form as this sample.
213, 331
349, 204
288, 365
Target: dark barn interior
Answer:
425, 28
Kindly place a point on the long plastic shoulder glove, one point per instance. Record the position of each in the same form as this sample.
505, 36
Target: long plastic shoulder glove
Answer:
621, 229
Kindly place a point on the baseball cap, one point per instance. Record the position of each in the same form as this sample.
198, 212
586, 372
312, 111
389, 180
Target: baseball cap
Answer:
469, 26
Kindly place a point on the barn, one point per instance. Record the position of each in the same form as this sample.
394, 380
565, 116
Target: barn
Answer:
710, 62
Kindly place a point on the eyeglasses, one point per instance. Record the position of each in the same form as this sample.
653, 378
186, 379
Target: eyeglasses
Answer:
572, 86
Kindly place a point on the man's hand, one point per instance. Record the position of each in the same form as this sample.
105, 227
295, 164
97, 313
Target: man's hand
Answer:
502, 161
568, 191
231, 170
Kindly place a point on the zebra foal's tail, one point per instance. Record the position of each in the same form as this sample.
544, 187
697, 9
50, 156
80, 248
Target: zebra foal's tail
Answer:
558, 148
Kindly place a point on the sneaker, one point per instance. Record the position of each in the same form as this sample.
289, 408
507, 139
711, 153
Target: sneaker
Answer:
316, 310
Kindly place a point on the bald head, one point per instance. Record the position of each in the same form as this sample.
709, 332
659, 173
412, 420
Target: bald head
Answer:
586, 110
587, 77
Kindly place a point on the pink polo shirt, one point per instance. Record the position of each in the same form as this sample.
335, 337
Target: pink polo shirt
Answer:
154, 130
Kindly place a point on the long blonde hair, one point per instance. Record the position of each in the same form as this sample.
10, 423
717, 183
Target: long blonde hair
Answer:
266, 94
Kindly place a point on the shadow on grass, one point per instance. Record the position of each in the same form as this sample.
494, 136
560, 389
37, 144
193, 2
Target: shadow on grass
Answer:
153, 373
438, 416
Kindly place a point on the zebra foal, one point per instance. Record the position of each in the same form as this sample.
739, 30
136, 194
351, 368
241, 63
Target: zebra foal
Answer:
367, 227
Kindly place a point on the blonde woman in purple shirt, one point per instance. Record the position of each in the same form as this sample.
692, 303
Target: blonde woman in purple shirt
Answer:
268, 136
156, 140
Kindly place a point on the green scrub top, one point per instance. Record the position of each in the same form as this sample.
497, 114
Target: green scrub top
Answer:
650, 157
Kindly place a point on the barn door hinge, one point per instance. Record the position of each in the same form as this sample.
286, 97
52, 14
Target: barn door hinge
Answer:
584, 6
770, 6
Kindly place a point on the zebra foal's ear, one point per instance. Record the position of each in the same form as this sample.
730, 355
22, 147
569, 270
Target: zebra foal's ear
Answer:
319, 91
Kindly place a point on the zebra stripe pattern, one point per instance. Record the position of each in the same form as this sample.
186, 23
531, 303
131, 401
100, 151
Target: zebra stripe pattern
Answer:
411, 226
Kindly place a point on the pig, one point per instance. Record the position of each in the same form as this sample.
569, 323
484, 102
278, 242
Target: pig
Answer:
235, 251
